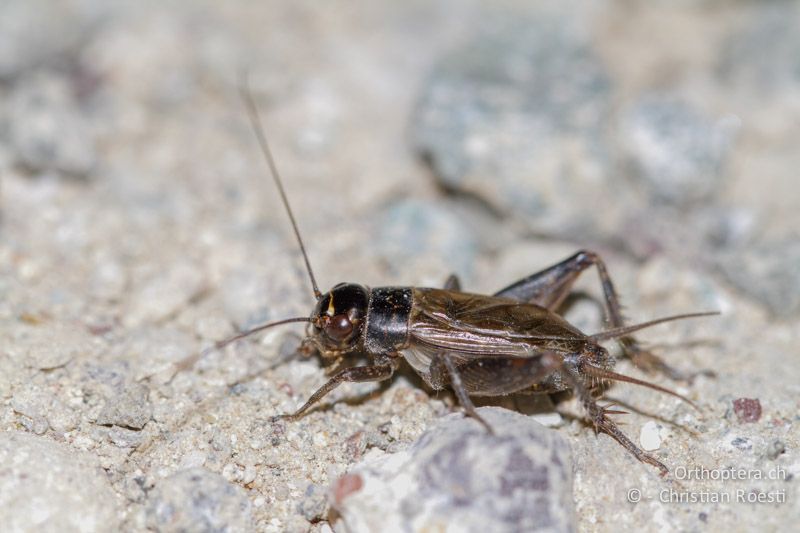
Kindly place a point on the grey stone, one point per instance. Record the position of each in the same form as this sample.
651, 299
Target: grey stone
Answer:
41, 410
124, 437
764, 54
164, 294
47, 129
516, 117
459, 477
198, 500
47, 486
35, 33
52, 346
314, 505
767, 271
129, 409
742, 443
775, 449
673, 151
410, 231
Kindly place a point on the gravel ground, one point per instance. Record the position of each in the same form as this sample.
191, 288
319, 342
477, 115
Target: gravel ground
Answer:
138, 226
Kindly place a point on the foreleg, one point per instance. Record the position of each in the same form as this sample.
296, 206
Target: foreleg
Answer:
379, 372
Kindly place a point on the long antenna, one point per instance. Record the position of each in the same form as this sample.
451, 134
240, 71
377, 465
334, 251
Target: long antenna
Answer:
190, 361
255, 120
223, 343
625, 330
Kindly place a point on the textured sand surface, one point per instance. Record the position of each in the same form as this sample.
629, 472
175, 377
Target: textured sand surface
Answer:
138, 226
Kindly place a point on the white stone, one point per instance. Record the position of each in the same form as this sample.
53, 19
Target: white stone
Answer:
650, 436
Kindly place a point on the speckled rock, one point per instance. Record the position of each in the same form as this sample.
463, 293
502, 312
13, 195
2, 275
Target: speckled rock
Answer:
314, 505
768, 272
40, 410
410, 231
764, 55
460, 478
674, 152
163, 294
46, 486
35, 33
516, 117
48, 347
129, 408
198, 500
48, 130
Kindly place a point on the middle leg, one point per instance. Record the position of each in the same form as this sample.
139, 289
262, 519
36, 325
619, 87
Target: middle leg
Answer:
489, 376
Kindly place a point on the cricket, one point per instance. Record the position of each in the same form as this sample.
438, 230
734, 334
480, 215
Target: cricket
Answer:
510, 342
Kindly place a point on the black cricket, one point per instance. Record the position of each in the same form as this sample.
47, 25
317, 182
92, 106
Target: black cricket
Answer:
511, 342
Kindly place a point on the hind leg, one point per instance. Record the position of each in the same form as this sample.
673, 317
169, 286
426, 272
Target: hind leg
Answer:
549, 287
453, 283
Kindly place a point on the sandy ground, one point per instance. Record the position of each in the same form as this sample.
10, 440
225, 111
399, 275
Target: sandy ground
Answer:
139, 226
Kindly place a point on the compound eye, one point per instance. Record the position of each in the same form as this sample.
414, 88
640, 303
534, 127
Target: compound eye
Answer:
339, 327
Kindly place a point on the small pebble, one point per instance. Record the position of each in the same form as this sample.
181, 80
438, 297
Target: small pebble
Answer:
742, 443
775, 448
346, 485
650, 436
314, 504
124, 437
747, 410
37, 425
48, 130
198, 500
52, 346
47, 486
129, 409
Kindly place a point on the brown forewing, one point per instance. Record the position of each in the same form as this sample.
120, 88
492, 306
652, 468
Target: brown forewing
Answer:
488, 325
496, 343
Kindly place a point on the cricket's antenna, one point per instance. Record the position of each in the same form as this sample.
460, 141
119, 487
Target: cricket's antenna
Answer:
255, 120
190, 361
242, 334
626, 330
